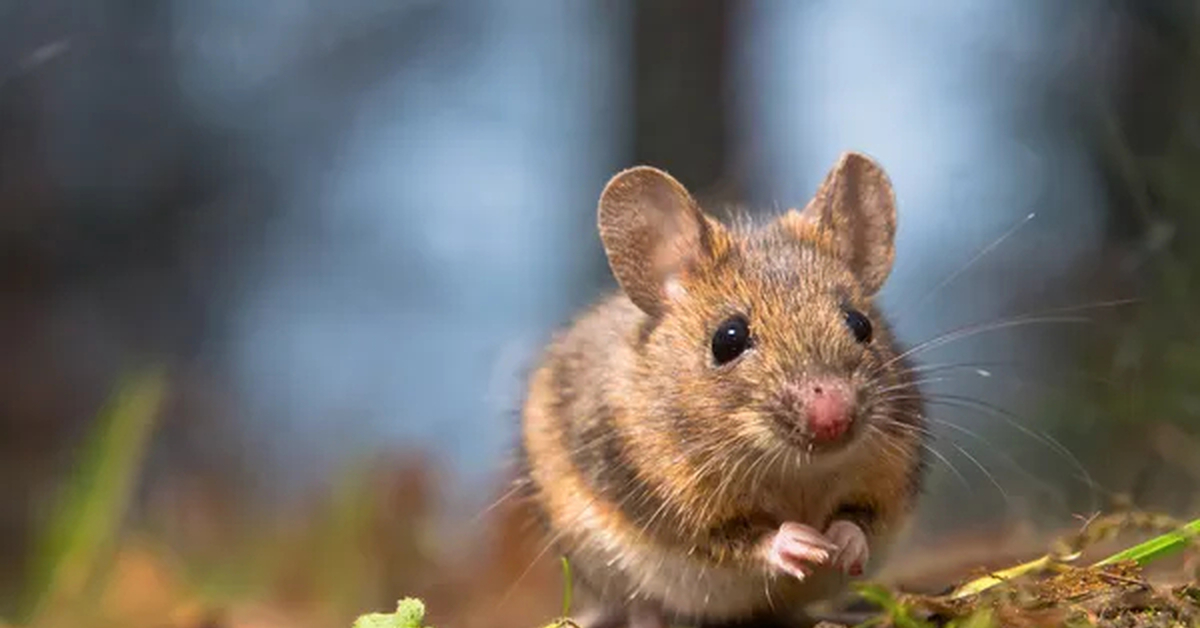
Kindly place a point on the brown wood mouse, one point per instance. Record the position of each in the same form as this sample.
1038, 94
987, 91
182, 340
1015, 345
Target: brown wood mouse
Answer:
736, 432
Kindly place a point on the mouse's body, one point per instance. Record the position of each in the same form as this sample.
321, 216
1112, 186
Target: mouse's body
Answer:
729, 435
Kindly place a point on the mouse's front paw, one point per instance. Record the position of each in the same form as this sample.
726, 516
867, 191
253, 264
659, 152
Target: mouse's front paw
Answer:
796, 548
852, 549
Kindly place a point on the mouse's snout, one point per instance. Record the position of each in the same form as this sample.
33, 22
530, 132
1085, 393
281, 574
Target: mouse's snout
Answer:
828, 406
824, 407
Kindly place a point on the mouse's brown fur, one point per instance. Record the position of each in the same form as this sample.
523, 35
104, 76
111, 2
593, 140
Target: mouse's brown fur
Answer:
659, 472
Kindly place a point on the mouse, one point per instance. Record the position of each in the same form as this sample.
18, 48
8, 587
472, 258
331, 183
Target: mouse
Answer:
734, 433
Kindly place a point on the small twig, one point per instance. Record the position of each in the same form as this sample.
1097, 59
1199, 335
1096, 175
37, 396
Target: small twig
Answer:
1122, 579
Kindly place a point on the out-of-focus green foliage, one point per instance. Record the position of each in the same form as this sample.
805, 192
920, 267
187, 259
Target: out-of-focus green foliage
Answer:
90, 511
895, 612
1151, 368
1135, 413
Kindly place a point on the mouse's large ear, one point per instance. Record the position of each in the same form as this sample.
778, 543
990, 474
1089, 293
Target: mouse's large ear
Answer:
854, 211
652, 230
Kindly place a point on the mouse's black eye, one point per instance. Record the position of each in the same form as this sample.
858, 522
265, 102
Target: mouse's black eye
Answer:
731, 340
859, 325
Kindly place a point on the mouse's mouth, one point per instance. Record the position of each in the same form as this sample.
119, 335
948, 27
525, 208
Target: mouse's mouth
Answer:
795, 430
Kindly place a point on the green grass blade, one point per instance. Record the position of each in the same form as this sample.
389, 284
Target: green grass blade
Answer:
90, 510
1157, 547
981, 584
567, 587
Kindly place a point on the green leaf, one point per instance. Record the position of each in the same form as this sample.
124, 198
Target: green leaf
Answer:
877, 595
1157, 547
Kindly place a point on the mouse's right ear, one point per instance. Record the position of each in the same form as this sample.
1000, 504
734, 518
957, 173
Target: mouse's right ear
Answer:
652, 230
854, 212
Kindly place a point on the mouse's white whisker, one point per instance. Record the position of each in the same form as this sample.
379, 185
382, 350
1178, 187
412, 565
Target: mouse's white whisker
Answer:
1008, 417
991, 478
970, 331
960, 372
932, 450
982, 253
999, 451
910, 385
517, 486
910, 427
1043, 317
546, 546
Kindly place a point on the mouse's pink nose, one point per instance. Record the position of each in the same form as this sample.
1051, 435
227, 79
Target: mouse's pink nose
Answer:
828, 408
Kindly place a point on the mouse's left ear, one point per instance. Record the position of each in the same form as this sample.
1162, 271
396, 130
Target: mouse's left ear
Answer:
854, 213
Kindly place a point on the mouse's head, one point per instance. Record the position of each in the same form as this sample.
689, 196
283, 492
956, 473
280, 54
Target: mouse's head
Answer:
763, 335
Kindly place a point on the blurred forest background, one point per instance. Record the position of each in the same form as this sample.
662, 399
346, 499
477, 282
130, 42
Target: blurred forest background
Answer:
337, 233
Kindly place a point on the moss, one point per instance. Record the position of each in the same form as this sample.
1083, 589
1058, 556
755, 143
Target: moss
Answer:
410, 613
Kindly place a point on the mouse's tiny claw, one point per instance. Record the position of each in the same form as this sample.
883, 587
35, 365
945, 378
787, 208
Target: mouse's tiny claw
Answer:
853, 551
796, 548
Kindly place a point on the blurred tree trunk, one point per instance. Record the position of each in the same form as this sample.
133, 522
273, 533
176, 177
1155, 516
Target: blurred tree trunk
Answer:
681, 108
681, 89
